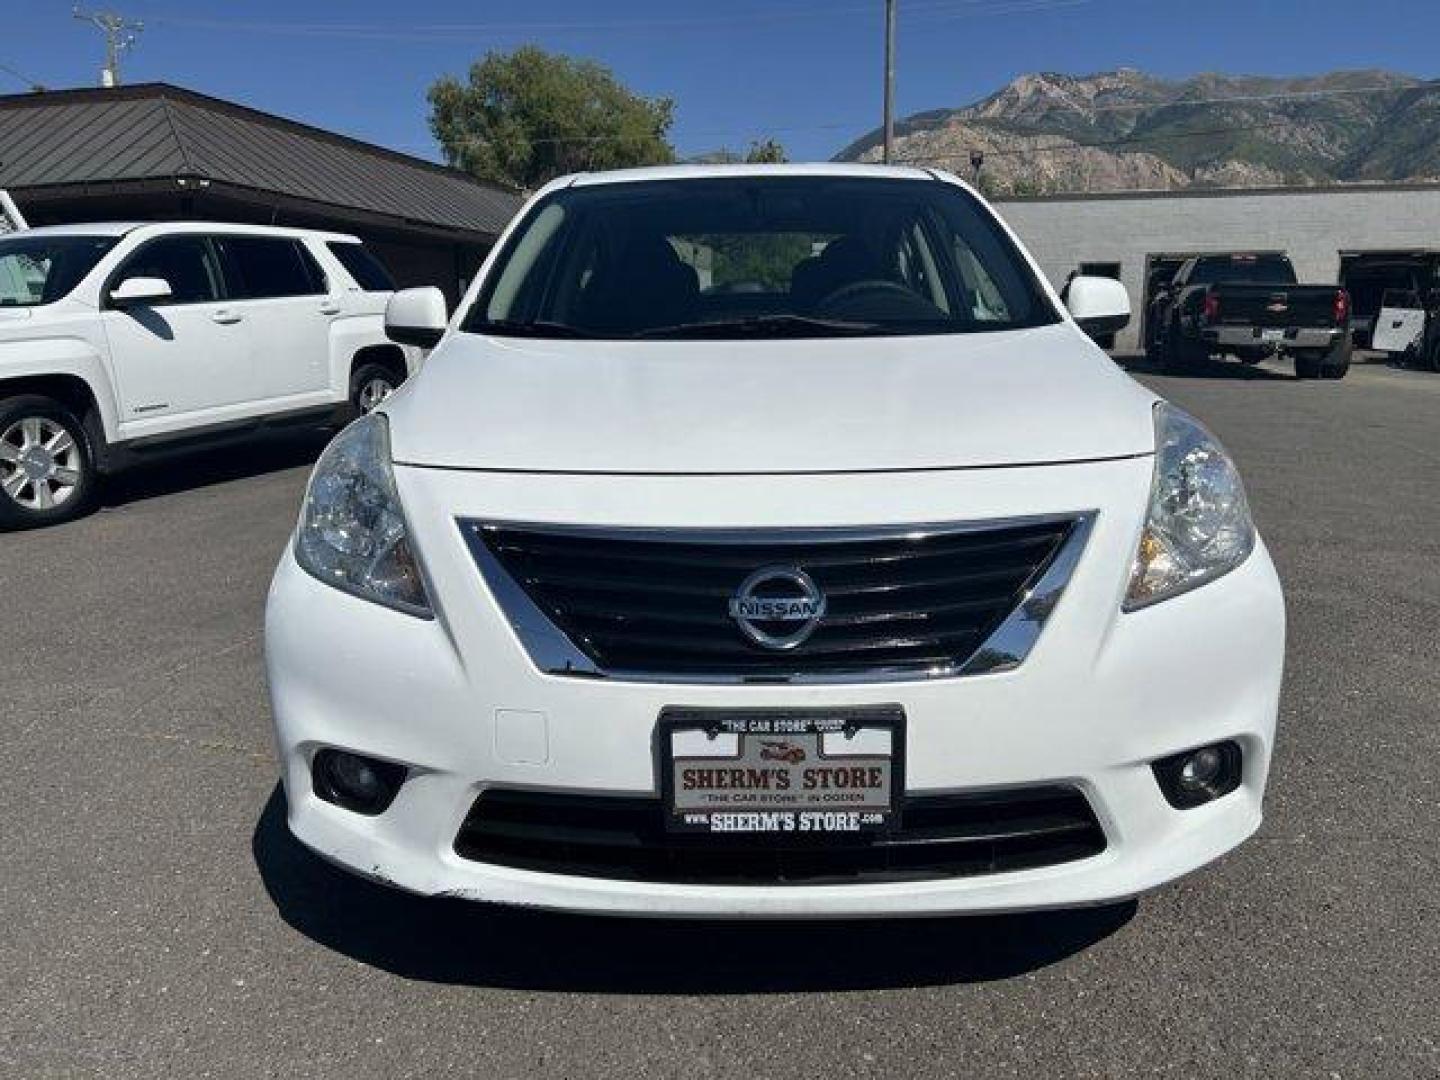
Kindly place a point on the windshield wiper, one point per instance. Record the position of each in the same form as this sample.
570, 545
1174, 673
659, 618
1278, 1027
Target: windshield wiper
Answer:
540, 328
762, 326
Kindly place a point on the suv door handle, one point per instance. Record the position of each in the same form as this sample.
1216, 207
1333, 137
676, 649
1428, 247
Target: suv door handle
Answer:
329, 307
225, 315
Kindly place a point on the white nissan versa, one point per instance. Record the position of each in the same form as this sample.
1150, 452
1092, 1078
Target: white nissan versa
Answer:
771, 542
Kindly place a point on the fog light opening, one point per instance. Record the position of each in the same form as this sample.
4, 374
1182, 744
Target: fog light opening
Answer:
1199, 776
359, 784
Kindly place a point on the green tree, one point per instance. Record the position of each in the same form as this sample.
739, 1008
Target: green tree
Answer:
526, 117
766, 152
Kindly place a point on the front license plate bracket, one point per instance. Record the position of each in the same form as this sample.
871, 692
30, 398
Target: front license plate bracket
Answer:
789, 775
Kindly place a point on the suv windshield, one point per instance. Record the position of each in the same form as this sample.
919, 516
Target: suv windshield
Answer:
40, 270
758, 257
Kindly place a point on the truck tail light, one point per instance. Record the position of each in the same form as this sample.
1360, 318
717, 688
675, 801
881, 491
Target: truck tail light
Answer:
1211, 311
1342, 306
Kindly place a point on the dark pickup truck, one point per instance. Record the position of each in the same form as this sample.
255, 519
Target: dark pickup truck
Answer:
1249, 306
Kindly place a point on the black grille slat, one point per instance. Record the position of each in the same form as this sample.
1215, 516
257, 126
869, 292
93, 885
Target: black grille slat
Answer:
603, 621
624, 838
711, 581
648, 554
896, 585
620, 639
657, 603
605, 589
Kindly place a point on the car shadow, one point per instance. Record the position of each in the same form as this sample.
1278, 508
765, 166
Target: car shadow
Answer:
200, 468
465, 943
1207, 369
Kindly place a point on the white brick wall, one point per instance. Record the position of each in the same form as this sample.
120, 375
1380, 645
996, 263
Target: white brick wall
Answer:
1313, 226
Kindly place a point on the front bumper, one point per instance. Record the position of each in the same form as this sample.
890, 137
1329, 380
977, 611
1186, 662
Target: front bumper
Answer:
1101, 697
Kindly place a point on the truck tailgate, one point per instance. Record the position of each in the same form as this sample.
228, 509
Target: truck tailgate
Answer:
1276, 306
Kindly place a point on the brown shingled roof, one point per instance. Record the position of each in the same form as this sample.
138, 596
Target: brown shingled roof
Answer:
154, 130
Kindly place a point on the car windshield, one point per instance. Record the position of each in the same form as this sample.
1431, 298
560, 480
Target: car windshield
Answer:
770, 257
40, 270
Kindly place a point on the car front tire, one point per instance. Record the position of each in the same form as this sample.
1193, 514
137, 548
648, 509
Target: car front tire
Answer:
47, 465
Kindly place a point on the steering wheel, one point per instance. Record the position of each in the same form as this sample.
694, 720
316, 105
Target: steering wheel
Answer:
893, 300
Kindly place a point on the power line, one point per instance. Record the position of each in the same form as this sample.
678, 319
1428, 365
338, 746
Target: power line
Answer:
448, 32
30, 84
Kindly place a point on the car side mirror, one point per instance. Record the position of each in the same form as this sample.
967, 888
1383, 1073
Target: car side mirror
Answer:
416, 317
139, 291
1099, 305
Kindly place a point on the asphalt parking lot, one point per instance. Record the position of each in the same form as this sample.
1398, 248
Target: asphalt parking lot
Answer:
158, 920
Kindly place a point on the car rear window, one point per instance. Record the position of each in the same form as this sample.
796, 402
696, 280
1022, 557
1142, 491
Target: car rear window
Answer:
1240, 269
368, 271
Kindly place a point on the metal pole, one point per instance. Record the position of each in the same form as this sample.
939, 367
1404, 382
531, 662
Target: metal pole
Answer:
889, 81
119, 37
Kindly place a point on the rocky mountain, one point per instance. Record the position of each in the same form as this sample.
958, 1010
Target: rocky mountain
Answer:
1126, 130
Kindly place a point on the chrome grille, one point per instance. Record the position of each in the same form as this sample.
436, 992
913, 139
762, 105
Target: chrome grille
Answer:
910, 602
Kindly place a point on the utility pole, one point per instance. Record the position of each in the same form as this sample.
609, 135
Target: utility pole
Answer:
119, 38
889, 81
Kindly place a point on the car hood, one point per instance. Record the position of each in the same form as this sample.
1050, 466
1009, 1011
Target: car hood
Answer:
791, 406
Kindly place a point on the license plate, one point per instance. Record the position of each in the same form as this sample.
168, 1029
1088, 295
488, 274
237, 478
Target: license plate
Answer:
793, 772
1272, 335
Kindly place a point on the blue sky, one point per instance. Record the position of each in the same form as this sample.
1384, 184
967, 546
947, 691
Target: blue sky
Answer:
804, 71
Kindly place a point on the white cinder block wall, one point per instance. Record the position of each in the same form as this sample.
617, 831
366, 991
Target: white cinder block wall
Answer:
1313, 225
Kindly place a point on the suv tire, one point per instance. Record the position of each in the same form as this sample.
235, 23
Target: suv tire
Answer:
370, 385
47, 464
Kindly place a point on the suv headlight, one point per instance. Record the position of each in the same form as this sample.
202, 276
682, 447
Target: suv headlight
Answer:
352, 532
1198, 526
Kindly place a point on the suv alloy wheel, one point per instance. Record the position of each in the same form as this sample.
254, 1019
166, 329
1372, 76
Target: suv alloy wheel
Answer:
370, 386
46, 469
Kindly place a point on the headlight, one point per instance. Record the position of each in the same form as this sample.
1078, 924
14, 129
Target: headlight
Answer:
352, 532
1198, 526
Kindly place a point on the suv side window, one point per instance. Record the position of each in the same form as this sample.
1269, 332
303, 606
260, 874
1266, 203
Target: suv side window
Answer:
186, 263
263, 268
361, 264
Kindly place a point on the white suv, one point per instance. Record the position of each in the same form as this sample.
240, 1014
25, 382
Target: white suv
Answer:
122, 339
773, 542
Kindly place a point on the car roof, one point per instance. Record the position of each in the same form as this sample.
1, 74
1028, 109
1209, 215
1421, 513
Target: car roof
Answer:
702, 172
233, 228
84, 228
